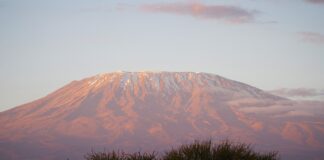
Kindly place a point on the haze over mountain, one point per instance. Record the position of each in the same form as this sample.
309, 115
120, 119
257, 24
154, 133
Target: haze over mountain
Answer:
156, 110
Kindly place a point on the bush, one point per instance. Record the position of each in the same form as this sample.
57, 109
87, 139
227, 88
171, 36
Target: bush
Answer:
199, 150
226, 150
119, 156
195, 151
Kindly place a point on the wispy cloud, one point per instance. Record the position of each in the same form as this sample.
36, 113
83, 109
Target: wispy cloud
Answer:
299, 92
124, 6
231, 14
312, 37
315, 1
281, 108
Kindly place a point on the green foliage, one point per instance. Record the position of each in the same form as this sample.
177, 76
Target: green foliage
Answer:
199, 150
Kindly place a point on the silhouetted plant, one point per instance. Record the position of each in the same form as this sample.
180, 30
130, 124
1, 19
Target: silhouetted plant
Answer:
240, 151
120, 156
199, 150
195, 151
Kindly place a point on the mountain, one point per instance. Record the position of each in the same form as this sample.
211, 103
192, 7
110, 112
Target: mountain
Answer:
145, 111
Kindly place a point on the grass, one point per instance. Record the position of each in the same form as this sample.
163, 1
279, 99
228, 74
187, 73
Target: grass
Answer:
198, 150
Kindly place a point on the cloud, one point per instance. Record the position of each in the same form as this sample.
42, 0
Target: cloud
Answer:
299, 92
230, 14
315, 1
312, 37
286, 108
124, 6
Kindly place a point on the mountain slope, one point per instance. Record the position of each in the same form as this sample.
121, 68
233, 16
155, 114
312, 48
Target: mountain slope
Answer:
153, 110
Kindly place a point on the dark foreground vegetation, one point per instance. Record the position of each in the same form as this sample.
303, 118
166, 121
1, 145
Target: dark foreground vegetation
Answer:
199, 150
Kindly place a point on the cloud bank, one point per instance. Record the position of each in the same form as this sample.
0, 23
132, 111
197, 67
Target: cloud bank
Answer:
299, 92
312, 37
230, 14
315, 1
284, 109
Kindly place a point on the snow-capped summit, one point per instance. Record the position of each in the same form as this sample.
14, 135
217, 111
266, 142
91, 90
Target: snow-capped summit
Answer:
171, 83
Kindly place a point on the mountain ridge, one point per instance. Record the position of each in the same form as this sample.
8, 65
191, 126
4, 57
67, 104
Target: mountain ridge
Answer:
121, 72
153, 110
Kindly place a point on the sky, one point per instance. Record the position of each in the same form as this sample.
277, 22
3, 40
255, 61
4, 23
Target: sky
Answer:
269, 44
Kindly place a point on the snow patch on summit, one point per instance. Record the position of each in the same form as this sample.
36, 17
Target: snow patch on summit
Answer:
174, 82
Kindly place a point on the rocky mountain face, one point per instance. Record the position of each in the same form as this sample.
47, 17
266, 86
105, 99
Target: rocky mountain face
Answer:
145, 111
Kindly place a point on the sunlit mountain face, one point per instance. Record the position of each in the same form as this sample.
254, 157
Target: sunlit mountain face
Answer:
146, 111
